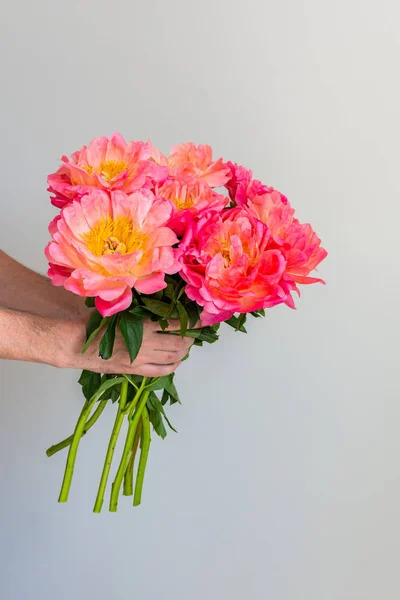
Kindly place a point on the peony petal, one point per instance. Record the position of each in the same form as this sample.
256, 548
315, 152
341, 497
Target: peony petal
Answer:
107, 309
151, 285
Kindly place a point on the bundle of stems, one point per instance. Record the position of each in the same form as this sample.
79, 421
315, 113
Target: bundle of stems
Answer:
136, 413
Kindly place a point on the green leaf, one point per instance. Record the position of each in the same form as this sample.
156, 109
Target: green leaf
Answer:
140, 311
193, 312
160, 383
90, 383
186, 356
173, 279
183, 317
162, 309
169, 423
131, 328
207, 334
157, 405
154, 403
95, 325
158, 424
163, 324
179, 289
165, 383
165, 397
108, 394
130, 394
241, 321
171, 389
235, 323
107, 384
258, 313
107, 341
169, 291
89, 302
192, 333
115, 393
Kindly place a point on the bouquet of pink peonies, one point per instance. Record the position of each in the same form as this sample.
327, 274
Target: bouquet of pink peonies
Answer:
145, 236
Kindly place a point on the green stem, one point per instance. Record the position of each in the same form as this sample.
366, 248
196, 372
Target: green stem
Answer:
79, 429
144, 453
69, 469
90, 422
128, 378
128, 479
111, 447
128, 449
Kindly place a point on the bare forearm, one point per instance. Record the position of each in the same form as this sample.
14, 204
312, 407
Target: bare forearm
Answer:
22, 289
27, 337
39, 323
33, 338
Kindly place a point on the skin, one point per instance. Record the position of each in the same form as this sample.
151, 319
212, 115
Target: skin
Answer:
46, 324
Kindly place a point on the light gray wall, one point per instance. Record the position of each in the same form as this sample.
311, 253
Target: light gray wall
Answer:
277, 486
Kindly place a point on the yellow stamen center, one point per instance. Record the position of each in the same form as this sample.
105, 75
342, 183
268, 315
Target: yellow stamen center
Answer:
183, 203
107, 168
110, 168
113, 236
113, 245
226, 254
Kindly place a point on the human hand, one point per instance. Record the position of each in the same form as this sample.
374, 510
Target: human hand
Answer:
159, 355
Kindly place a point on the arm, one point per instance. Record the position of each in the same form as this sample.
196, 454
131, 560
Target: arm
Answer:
46, 324
34, 338
22, 289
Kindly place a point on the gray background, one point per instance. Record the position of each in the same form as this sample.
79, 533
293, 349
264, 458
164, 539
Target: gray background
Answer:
283, 481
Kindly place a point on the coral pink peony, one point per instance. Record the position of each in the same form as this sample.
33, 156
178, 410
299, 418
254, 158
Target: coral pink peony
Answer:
195, 162
188, 199
303, 252
273, 209
106, 163
298, 242
241, 185
107, 244
229, 267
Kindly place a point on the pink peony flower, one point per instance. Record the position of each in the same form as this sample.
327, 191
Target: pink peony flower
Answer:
229, 267
188, 199
195, 162
303, 252
109, 164
241, 185
107, 244
273, 209
298, 242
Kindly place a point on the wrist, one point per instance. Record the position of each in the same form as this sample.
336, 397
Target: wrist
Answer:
69, 338
70, 307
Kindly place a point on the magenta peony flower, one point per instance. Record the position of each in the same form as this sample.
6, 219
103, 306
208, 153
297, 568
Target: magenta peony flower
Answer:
273, 209
107, 244
188, 199
241, 185
303, 252
229, 267
298, 242
109, 164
